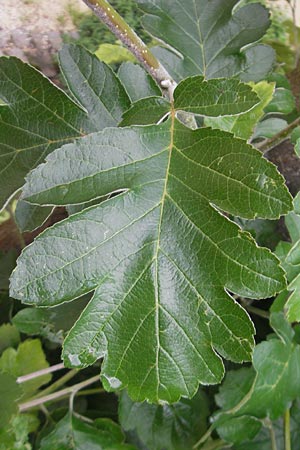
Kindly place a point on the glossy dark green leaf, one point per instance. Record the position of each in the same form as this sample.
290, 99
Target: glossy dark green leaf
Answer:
205, 37
94, 85
137, 82
29, 217
146, 111
36, 118
10, 392
166, 427
71, 433
215, 98
147, 249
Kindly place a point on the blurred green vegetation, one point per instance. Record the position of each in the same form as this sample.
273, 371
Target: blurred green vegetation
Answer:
92, 33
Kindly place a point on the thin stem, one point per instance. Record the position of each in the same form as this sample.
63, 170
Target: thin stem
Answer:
112, 19
54, 386
40, 373
204, 437
257, 311
72, 390
272, 433
91, 392
267, 145
287, 430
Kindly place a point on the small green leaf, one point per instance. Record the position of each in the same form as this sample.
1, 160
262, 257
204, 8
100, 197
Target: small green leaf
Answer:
168, 427
51, 324
29, 357
206, 37
29, 217
269, 127
238, 429
137, 82
283, 102
71, 433
277, 363
297, 148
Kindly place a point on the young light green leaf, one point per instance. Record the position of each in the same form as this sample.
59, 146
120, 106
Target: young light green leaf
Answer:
242, 125
10, 392
71, 433
29, 217
131, 250
9, 336
28, 358
169, 427
94, 85
137, 82
114, 53
297, 148
206, 37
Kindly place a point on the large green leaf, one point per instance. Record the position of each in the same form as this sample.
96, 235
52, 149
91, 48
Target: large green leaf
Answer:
209, 37
160, 256
37, 117
71, 433
166, 427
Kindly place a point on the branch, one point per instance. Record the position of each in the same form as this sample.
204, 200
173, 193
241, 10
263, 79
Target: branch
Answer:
57, 395
117, 25
40, 373
267, 145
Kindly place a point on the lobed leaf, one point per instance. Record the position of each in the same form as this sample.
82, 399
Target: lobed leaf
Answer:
213, 38
160, 241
